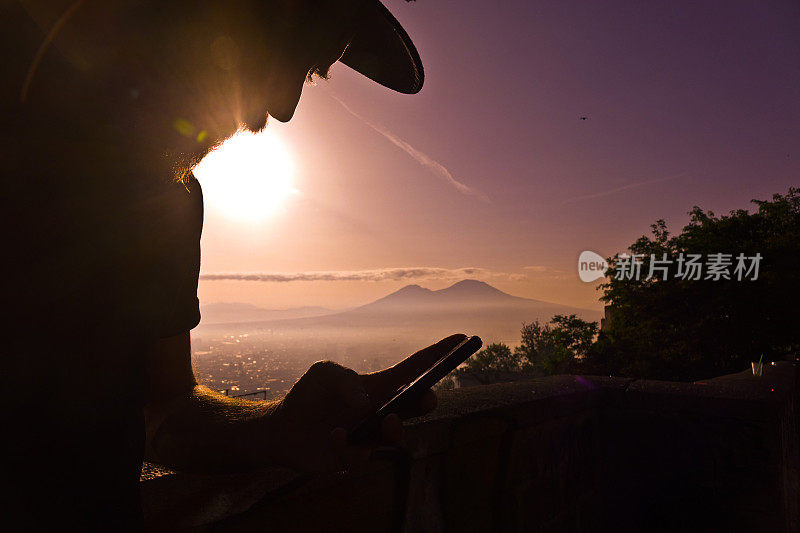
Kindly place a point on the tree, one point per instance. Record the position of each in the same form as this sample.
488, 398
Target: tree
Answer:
556, 347
668, 327
496, 357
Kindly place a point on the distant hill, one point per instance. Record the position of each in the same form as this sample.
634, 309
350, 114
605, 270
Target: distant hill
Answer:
231, 312
468, 306
466, 293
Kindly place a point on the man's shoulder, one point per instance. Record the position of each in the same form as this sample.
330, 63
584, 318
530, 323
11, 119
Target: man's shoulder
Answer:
172, 207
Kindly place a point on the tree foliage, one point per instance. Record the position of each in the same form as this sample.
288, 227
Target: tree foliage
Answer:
555, 347
671, 328
496, 357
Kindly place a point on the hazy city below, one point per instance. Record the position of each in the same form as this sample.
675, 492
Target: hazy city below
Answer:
242, 348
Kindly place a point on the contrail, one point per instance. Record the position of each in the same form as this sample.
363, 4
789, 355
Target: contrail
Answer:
622, 188
423, 159
380, 274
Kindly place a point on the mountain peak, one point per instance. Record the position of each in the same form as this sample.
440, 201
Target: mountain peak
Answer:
405, 296
471, 283
471, 286
412, 288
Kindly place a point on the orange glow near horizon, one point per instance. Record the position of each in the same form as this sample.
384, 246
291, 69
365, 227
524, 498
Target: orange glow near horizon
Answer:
248, 177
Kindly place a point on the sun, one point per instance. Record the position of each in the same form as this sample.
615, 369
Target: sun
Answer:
248, 177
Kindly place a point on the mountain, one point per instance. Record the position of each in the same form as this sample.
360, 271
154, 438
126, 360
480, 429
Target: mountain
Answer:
469, 292
229, 313
469, 306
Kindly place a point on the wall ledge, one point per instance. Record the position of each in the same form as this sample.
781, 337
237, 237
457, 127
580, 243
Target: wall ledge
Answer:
490, 455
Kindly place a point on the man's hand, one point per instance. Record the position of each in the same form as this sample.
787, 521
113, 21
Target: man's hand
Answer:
309, 426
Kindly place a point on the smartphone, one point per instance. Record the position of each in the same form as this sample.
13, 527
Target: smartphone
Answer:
411, 393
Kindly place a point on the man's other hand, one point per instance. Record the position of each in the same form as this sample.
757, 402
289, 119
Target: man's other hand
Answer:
310, 425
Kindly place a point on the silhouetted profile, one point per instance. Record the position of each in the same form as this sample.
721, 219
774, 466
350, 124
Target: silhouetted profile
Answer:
105, 108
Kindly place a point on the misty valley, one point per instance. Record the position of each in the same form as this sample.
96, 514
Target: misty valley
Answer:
241, 348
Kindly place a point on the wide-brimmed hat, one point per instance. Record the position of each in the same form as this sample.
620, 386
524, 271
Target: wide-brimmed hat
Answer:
382, 51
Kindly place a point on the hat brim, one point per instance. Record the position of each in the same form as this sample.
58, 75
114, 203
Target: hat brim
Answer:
382, 51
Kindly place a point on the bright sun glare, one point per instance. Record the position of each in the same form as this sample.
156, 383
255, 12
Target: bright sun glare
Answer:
248, 177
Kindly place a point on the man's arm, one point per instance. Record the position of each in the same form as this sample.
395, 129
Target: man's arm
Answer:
190, 427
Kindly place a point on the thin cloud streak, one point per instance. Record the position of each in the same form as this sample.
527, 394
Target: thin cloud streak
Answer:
381, 274
537, 268
541, 272
622, 188
423, 159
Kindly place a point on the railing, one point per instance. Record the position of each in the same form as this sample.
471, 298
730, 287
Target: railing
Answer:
247, 395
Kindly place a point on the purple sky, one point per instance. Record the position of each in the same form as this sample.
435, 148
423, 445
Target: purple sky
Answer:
687, 103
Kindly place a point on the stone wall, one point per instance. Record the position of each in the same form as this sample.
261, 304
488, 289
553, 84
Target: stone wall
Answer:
564, 453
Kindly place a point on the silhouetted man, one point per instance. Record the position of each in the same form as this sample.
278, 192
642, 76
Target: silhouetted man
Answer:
102, 242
